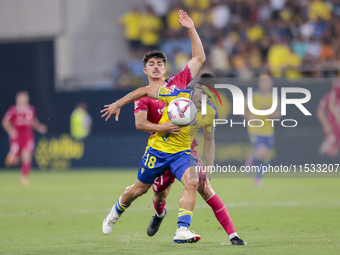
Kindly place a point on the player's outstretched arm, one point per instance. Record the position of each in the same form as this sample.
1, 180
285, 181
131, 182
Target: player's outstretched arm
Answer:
142, 124
41, 128
198, 55
114, 108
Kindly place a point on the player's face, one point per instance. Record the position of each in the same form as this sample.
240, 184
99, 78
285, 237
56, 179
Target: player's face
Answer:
265, 84
197, 96
155, 68
22, 99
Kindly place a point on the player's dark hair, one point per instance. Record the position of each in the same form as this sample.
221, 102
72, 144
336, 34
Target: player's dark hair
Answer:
209, 79
24, 92
154, 54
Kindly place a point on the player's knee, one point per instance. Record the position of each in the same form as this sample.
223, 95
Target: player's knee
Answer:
191, 184
129, 188
139, 191
160, 198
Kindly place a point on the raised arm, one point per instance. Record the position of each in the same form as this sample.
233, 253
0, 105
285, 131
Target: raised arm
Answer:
198, 55
114, 108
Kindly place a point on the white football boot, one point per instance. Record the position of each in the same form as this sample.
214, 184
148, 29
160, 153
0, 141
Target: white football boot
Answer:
110, 221
185, 235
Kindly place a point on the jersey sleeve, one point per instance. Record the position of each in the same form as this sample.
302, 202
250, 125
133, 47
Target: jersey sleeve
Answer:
168, 94
213, 114
9, 115
182, 79
141, 105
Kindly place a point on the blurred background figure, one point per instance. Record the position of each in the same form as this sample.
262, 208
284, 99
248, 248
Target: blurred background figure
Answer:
328, 113
80, 122
19, 122
261, 132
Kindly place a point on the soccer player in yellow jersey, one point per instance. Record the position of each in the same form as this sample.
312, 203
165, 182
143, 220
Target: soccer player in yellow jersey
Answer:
262, 138
164, 151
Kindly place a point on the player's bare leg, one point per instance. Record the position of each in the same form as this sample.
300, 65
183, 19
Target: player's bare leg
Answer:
130, 194
26, 165
159, 201
263, 154
220, 211
12, 157
11, 160
186, 206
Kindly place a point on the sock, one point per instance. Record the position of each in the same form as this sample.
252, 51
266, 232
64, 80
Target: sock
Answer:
159, 208
231, 236
26, 168
119, 207
221, 214
184, 218
260, 164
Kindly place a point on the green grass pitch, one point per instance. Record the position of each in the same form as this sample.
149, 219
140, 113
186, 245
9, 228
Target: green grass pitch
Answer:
62, 213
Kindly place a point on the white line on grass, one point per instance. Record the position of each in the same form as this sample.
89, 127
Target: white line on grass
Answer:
198, 206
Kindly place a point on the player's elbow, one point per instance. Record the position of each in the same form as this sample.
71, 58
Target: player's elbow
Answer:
139, 126
201, 58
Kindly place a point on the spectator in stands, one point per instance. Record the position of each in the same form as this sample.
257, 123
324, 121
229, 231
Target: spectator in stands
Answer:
220, 15
150, 29
247, 36
219, 57
130, 22
277, 57
326, 52
319, 9
299, 46
172, 18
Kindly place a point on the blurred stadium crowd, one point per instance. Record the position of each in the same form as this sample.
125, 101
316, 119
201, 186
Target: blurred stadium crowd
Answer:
289, 38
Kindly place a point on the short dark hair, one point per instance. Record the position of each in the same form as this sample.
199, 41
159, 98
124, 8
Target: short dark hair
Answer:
209, 79
22, 92
154, 54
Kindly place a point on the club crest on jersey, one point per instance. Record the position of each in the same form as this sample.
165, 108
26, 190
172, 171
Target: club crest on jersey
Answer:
165, 91
160, 111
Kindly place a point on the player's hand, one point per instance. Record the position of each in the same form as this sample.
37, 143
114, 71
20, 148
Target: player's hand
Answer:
168, 127
185, 20
206, 178
111, 109
42, 129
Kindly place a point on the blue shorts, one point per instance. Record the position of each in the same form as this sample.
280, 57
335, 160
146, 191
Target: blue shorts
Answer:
258, 141
154, 164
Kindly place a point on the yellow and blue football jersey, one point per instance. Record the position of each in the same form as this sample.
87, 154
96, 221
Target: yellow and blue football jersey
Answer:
261, 102
171, 143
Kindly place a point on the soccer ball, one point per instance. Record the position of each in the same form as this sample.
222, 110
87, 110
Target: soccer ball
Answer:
182, 112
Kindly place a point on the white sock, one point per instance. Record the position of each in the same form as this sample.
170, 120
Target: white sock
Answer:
161, 215
231, 236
